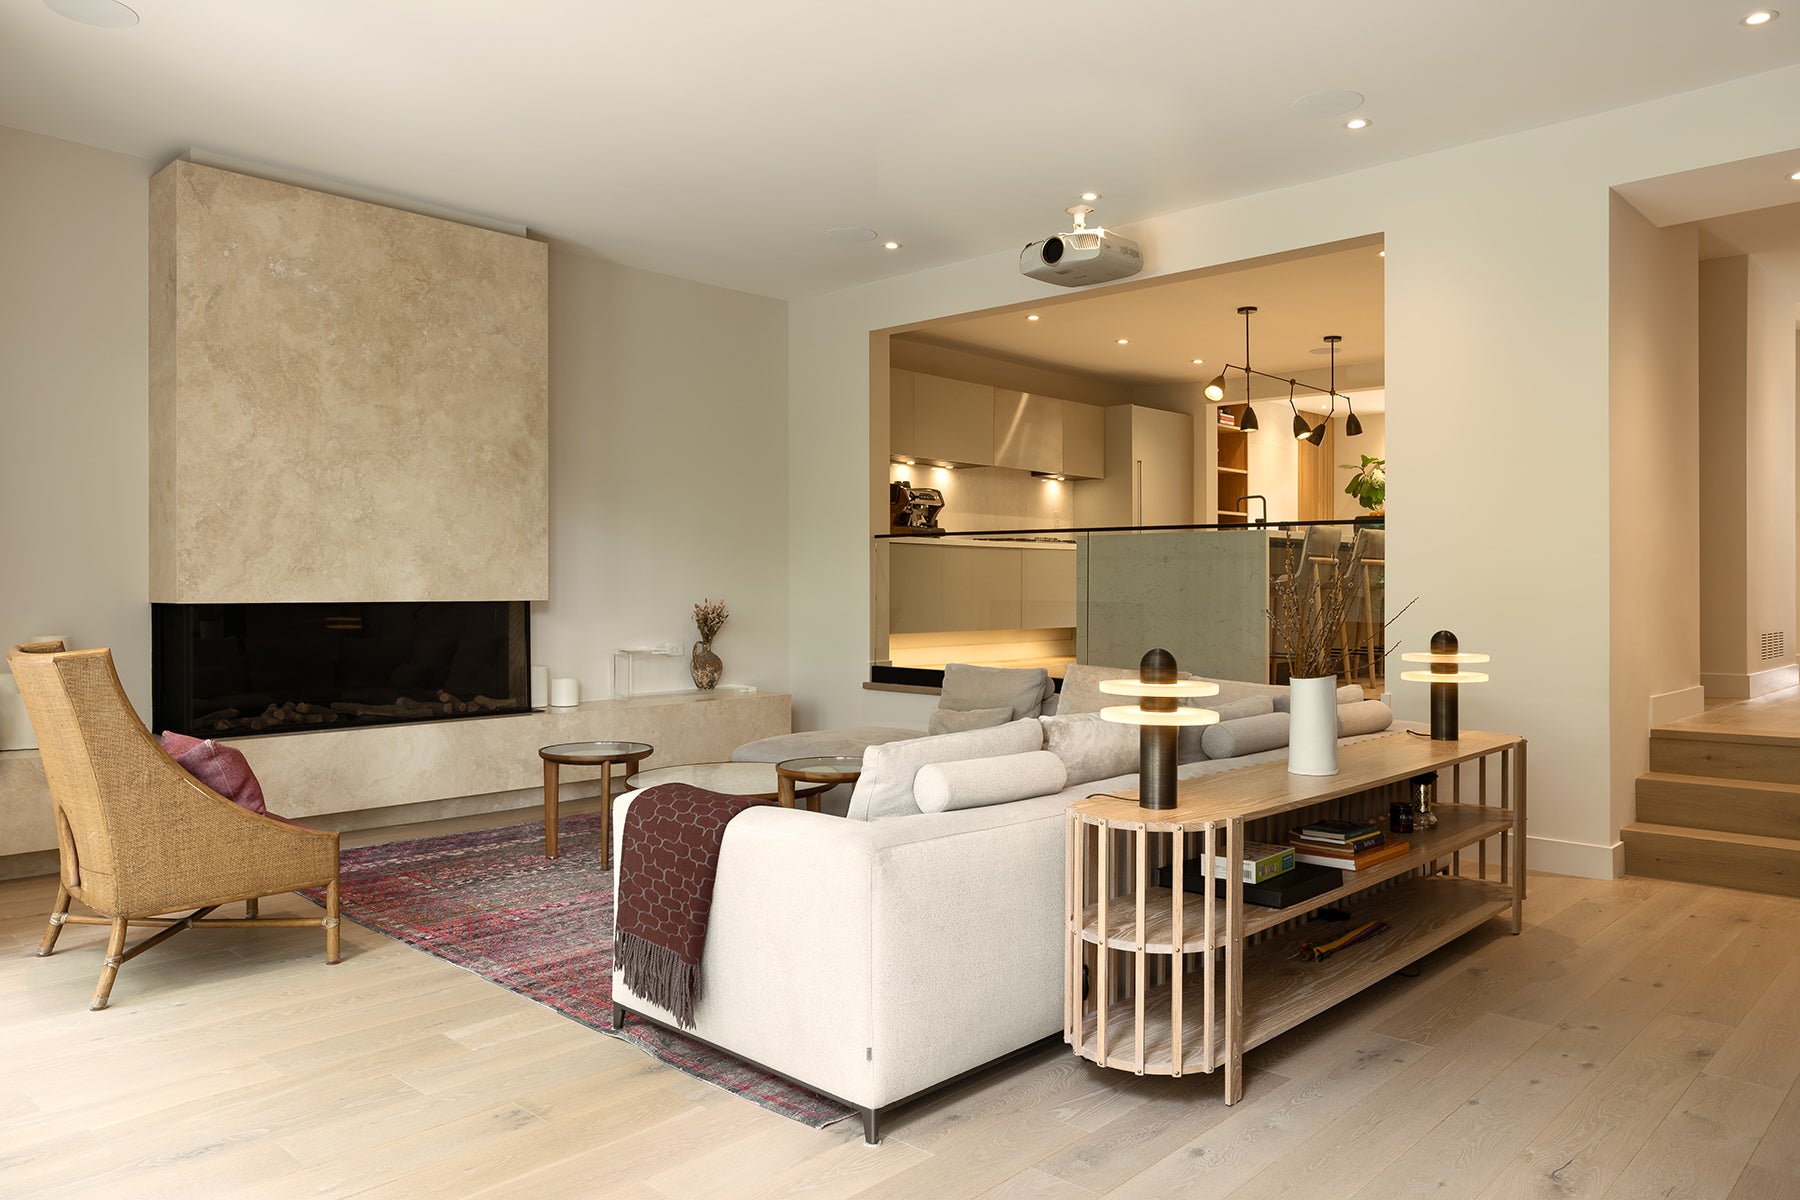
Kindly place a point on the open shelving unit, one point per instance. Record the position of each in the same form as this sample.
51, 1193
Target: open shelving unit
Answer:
1135, 1002
1233, 474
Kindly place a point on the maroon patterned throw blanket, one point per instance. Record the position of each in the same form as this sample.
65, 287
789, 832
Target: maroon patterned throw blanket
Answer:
668, 859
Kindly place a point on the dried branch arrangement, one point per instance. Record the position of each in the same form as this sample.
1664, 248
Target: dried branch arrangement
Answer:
709, 618
1307, 620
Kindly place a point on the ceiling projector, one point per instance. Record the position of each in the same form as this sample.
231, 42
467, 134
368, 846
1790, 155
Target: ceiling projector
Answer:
1081, 256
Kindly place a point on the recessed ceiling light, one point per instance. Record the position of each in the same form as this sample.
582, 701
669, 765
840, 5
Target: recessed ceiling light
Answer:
1090, 197
890, 245
1124, 341
1198, 361
1795, 176
1333, 103
1382, 253
107, 14
1761, 16
1357, 123
1032, 317
850, 233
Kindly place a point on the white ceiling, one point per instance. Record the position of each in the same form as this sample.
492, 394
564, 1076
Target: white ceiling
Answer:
718, 140
1170, 322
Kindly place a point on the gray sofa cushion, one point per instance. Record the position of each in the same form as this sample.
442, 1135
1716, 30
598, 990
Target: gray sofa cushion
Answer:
977, 783
953, 720
1090, 747
1019, 689
1081, 688
815, 743
885, 788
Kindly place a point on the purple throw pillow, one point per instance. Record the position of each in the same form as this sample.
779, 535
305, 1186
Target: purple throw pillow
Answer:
221, 768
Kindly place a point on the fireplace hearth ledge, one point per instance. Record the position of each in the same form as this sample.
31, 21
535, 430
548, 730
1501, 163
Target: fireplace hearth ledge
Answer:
487, 760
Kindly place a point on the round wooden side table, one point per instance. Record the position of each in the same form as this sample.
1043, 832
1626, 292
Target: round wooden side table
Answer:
587, 754
829, 769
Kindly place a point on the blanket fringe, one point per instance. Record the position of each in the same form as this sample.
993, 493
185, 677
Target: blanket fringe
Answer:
658, 974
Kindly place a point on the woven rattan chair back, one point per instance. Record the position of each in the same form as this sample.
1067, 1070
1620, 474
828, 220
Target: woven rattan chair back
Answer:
138, 836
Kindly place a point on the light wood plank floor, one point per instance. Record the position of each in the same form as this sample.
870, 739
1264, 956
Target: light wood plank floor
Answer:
1774, 717
1641, 1039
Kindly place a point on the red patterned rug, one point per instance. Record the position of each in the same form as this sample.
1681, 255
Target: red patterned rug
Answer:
490, 902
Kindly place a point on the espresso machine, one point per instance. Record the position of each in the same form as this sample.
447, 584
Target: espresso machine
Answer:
913, 510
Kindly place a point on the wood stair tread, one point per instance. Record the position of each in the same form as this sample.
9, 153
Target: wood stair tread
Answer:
1718, 781
1712, 835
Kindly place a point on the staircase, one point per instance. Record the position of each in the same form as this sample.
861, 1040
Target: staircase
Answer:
1719, 808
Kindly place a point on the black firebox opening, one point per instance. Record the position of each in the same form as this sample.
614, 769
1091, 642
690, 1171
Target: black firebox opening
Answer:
221, 670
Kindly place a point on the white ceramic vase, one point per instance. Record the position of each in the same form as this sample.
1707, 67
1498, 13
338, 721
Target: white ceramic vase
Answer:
1312, 726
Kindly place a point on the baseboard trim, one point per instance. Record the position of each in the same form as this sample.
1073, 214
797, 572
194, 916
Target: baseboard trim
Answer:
1677, 705
1738, 686
1585, 859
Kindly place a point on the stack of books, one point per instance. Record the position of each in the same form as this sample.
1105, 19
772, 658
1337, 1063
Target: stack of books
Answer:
1345, 845
1271, 877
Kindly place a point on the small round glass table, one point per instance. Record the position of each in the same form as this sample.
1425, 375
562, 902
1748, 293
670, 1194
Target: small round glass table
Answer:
587, 754
759, 779
829, 770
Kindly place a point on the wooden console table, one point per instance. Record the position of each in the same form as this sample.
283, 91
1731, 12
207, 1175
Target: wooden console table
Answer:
1160, 981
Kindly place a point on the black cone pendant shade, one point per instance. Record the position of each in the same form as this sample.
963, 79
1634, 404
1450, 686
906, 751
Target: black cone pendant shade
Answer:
1216, 389
1352, 426
1318, 434
1247, 422
1302, 430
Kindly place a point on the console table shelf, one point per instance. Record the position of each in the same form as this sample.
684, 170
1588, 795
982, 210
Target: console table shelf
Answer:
1134, 1002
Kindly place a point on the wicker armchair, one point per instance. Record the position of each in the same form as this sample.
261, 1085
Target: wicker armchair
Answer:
140, 838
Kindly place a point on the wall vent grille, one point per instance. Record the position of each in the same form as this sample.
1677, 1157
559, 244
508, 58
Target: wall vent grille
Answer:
1774, 645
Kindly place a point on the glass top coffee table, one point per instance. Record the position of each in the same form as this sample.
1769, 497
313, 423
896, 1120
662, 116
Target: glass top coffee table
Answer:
827, 769
587, 754
732, 778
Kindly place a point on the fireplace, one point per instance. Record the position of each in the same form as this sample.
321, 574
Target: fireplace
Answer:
225, 670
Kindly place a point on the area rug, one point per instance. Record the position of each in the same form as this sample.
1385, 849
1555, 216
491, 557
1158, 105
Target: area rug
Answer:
490, 902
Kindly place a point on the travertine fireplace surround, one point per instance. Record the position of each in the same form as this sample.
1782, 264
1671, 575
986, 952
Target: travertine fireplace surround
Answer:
347, 401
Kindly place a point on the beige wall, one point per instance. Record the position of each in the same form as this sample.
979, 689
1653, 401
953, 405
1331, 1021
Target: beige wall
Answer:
668, 474
1653, 360
74, 542
1502, 244
1747, 497
668, 431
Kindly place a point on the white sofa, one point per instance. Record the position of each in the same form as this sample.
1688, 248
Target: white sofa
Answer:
875, 960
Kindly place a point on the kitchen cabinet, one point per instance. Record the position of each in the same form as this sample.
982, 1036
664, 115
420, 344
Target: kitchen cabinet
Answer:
940, 420
1083, 440
1149, 471
1047, 584
1034, 432
1028, 431
900, 413
938, 587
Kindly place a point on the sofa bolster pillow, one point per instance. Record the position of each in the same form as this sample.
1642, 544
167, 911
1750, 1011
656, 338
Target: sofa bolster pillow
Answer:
979, 782
1091, 747
1348, 694
1365, 716
1246, 735
885, 788
960, 720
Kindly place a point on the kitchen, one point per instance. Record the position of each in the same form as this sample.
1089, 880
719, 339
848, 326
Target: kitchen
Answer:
1012, 435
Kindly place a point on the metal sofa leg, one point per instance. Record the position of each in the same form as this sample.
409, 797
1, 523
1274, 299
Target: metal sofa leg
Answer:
871, 1125
618, 1016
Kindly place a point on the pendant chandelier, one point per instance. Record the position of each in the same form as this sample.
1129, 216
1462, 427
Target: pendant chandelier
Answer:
1303, 431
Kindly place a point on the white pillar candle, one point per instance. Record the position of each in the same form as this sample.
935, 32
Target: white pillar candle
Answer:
565, 693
